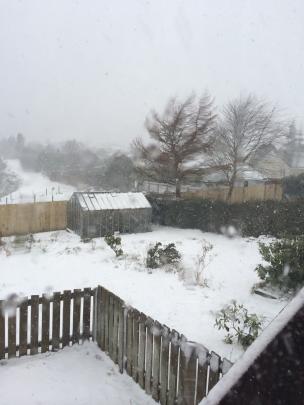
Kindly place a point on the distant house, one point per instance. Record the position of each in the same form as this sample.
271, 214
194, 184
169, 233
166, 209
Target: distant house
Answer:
276, 164
297, 162
270, 163
95, 214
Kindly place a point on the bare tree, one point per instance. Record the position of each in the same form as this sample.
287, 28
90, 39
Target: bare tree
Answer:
246, 125
181, 135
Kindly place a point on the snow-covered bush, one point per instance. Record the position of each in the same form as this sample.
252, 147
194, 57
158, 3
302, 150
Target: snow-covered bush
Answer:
285, 268
203, 259
240, 326
115, 244
29, 242
23, 242
158, 256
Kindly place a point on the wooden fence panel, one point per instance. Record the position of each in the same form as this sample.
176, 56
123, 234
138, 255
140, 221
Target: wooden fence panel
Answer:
181, 361
135, 344
12, 333
45, 334
56, 322
188, 365
76, 315
226, 366
21, 219
165, 344
86, 313
97, 316
34, 323
149, 353
2, 332
110, 323
115, 329
253, 192
141, 350
202, 372
102, 319
129, 344
156, 328
23, 316
121, 336
214, 370
66, 318
106, 320
173, 367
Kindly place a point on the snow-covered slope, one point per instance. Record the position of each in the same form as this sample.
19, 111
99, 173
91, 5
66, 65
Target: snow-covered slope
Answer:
34, 187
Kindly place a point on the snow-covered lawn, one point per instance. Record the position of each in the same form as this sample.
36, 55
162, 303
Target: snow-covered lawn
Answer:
59, 261
81, 374
34, 186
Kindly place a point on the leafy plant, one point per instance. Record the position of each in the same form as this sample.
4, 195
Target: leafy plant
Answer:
240, 326
158, 256
115, 244
286, 264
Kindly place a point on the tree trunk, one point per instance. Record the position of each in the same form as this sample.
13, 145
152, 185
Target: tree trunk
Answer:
178, 188
231, 187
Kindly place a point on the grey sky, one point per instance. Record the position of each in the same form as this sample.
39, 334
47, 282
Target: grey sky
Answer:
92, 69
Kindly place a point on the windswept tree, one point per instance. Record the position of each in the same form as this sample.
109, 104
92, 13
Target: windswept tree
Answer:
245, 126
180, 138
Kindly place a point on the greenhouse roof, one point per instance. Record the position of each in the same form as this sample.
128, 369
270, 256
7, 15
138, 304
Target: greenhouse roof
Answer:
95, 201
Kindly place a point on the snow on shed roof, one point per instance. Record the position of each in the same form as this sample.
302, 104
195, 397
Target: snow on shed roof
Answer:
94, 201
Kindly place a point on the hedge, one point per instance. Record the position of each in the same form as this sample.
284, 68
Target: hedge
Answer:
254, 218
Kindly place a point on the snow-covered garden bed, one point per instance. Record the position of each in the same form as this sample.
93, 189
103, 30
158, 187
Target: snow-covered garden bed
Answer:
58, 261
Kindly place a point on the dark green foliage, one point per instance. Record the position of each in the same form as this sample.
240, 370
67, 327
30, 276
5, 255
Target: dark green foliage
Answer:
240, 326
286, 264
254, 218
293, 186
115, 244
159, 256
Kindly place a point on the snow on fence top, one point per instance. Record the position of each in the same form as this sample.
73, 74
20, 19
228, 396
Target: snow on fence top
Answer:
95, 201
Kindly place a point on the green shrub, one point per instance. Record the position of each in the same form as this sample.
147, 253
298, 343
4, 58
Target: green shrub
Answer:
241, 326
286, 264
158, 256
115, 244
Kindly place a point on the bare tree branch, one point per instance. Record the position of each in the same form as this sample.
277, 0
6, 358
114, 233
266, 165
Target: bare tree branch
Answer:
245, 126
181, 134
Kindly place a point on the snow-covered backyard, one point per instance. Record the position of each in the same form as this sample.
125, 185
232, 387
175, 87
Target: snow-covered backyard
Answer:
81, 374
34, 186
59, 261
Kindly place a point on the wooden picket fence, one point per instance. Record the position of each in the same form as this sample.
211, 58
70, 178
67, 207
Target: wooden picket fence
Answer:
163, 362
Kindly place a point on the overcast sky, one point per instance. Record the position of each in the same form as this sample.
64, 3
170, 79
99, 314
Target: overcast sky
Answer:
92, 69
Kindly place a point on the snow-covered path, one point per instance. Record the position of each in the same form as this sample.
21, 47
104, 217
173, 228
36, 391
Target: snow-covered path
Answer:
60, 261
34, 186
81, 374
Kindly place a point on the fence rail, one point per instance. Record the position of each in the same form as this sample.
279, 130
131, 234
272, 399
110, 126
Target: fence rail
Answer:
271, 190
162, 361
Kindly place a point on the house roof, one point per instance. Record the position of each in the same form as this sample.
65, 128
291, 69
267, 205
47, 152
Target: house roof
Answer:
95, 201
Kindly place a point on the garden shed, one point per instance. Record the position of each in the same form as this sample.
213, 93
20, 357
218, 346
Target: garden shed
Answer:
95, 214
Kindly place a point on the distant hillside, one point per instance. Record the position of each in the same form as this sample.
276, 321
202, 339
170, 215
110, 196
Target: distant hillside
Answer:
20, 186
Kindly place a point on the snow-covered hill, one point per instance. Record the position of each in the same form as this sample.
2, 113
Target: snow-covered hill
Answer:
34, 186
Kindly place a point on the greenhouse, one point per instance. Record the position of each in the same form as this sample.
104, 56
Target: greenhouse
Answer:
95, 214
